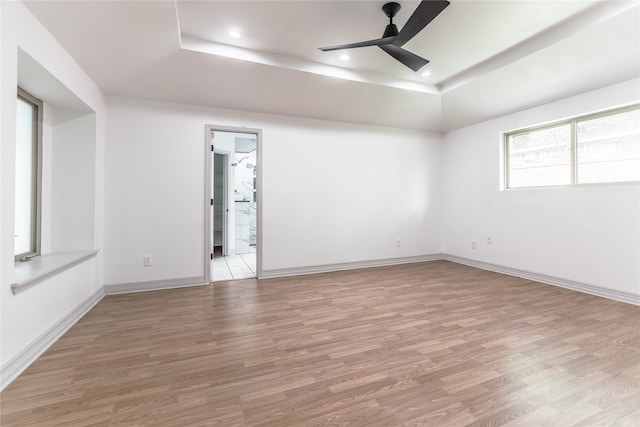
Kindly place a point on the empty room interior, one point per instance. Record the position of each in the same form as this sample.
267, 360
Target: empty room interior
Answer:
320, 213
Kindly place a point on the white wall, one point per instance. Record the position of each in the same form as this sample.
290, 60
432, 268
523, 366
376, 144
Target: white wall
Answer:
586, 234
332, 192
27, 315
73, 184
337, 193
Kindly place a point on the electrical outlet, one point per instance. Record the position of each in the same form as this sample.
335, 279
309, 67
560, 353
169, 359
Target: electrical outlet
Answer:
473, 244
398, 243
146, 260
489, 240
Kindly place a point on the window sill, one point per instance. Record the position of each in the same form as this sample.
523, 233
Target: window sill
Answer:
28, 273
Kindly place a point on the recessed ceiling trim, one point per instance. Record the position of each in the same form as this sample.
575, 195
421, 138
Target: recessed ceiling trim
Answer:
282, 61
598, 12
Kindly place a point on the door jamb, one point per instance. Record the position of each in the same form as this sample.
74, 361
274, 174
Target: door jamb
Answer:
225, 208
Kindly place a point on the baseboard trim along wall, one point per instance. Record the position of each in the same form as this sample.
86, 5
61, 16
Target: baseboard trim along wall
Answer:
154, 285
21, 361
550, 280
327, 268
542, 278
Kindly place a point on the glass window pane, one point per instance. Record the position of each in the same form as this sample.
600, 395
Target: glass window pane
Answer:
25, 174
540, 157
609, 148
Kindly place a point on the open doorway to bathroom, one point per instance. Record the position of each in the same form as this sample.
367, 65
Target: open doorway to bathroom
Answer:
233, 238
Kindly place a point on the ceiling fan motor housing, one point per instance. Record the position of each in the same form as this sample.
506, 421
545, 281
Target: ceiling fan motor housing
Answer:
390, 31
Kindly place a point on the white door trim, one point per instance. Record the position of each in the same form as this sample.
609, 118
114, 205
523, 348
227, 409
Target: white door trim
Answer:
208, 243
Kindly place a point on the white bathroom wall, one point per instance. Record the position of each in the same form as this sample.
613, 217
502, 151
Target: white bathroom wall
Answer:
586, 234
32, 58
332, 192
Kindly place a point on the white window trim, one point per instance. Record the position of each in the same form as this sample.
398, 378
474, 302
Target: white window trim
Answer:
572, 122
37, 191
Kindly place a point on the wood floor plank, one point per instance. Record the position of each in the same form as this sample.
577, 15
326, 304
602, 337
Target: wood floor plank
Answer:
425, 344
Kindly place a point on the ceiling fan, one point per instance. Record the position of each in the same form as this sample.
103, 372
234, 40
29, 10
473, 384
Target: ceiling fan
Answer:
392, 40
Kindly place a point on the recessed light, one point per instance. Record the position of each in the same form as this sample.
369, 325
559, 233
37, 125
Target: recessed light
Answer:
344, 57
426, 73
235, 34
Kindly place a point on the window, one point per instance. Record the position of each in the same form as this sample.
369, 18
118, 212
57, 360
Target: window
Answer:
28, 167
598, 148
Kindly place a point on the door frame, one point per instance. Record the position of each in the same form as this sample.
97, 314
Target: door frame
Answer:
208, 193
225, 208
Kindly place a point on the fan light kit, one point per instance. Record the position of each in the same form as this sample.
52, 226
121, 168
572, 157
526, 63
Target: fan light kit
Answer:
392, 40
344, 57
235, 34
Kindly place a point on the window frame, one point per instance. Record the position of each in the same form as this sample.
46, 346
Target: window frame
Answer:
573, 145
36, 186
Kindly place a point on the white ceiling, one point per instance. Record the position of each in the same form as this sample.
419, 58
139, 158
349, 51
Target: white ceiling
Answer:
488, 58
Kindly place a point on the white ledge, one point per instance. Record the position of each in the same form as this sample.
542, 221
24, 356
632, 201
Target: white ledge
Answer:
28, 273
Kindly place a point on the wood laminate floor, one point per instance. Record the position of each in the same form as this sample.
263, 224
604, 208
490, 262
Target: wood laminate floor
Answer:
428, 344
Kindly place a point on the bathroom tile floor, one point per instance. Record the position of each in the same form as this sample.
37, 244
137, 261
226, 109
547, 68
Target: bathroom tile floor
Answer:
232, 267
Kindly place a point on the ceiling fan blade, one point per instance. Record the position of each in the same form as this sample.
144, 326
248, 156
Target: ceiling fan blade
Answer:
426, 11
375, 42
409, 59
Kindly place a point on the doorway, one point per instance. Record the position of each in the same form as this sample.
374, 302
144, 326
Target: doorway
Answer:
233, 240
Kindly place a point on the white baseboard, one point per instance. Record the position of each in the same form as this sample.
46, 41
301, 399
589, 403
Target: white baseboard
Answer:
21, 361
154, 285
327, 268
550, 280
